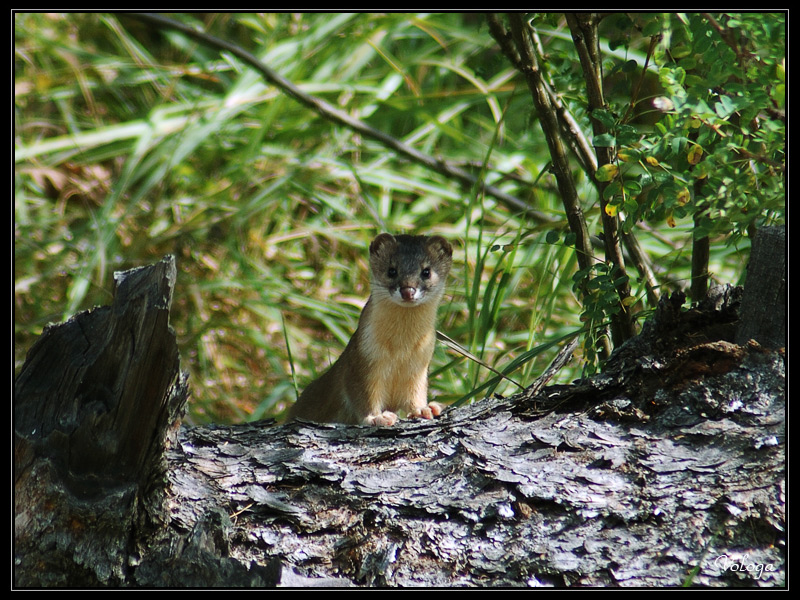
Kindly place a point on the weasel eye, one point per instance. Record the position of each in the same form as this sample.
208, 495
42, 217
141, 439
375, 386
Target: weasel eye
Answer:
426, 273
392, 272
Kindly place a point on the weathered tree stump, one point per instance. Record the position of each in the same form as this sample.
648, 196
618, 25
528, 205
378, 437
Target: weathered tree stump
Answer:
96, 404
667, 469
763, 313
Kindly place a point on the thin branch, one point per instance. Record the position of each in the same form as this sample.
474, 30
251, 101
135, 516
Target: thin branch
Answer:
644, 265
585, 153
701, 251
332, 113
635, 95
727, 36
573, 134
519, 49
570, 130
586, 40
523, 56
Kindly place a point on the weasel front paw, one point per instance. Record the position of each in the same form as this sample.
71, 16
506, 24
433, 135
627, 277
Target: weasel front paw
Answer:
434, 409
385, 419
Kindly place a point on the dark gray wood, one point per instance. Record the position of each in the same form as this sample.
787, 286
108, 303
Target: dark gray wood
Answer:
666, 469
763, 313
94, 406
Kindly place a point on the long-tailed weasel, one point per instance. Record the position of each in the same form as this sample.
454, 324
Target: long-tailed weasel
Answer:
384, 368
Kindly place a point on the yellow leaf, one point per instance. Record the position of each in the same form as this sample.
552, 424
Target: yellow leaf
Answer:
606, 172
623, 156
652, 161
611, 210
670, 220
629, 301
695, 154
683, 197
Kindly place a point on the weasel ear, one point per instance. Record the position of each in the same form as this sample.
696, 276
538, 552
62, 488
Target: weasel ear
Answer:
380, 241
438, 244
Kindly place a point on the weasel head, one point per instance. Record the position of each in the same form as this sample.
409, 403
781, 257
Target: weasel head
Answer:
409, 270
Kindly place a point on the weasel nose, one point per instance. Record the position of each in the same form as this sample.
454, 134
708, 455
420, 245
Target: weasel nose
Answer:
408, 293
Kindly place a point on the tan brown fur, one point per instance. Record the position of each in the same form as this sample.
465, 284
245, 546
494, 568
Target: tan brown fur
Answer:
384, 368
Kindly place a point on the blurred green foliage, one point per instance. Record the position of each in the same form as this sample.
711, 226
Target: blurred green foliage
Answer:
133, 142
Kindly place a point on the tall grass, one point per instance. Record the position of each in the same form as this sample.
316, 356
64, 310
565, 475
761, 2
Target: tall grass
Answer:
131, 143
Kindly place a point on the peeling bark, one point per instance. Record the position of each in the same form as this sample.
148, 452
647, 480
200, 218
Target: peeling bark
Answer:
666, 469
666, 462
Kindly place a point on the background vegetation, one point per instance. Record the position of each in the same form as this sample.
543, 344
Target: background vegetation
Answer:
133, 141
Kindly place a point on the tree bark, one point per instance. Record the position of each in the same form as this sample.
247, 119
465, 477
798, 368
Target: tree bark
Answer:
763, 315
667, 469
97, 401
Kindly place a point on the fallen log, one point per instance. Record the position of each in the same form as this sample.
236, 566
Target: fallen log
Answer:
667, 469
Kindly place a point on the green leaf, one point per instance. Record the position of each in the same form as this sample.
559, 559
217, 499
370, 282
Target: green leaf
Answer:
627, 134
604, 140
605, 117
725, 107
